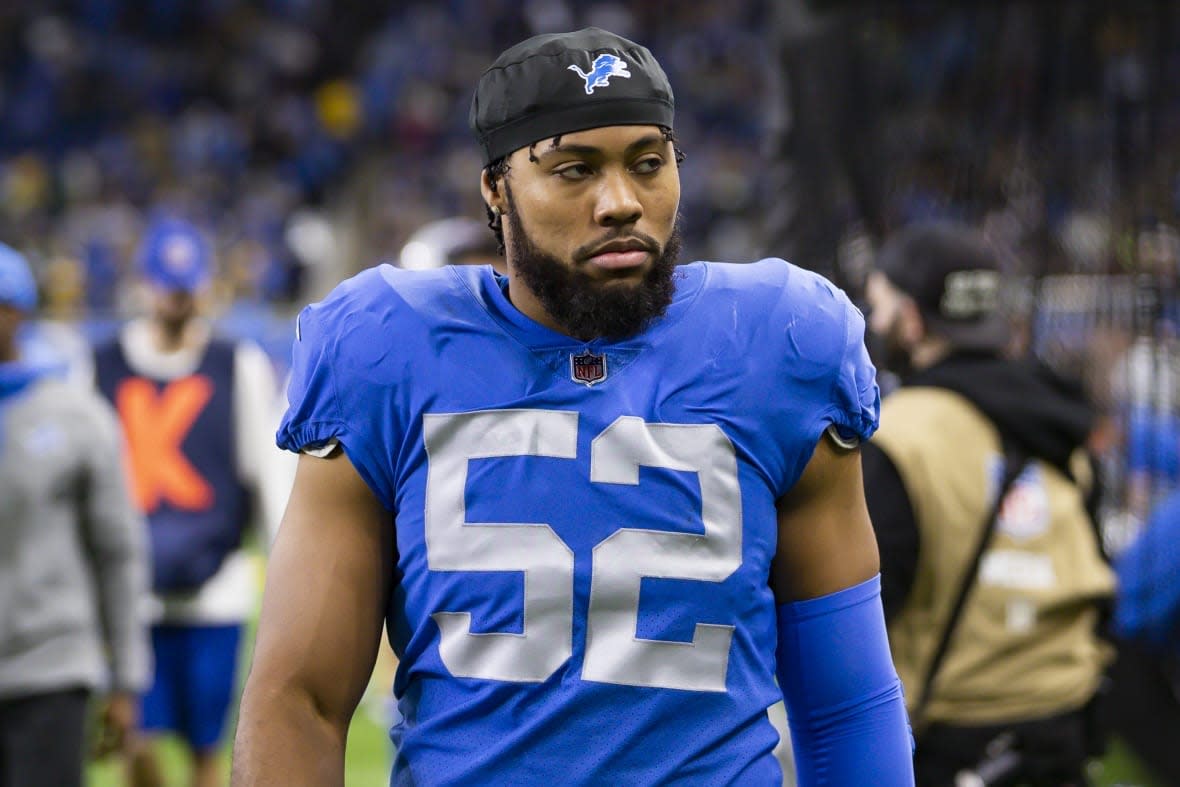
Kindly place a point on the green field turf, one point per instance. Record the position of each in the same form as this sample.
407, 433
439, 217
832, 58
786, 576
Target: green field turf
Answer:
367, 761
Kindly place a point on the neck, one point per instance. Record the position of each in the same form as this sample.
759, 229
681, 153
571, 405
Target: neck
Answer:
9, 351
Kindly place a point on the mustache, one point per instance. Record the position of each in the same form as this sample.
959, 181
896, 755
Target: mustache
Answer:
588, 250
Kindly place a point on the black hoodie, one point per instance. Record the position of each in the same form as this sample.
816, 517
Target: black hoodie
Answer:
1040, 412
1045, 416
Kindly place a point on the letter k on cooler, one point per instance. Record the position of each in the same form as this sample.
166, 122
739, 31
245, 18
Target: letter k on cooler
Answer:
156, 422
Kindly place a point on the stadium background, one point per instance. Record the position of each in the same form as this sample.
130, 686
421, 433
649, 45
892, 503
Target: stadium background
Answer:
311, 138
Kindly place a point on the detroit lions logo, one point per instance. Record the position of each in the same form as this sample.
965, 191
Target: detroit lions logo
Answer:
604, 68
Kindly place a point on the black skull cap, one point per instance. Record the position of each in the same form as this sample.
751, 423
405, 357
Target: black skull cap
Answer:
559, 83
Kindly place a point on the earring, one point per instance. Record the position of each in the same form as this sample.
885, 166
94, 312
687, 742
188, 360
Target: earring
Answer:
496, 211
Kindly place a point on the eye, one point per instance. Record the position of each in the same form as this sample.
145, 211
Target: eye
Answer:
574, 171
649, 165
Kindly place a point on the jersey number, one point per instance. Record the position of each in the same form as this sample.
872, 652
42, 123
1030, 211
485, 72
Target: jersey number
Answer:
614, 651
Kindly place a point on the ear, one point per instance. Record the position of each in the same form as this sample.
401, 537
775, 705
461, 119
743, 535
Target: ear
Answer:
493, 197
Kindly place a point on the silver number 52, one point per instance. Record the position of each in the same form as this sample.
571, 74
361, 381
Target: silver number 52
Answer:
614, 651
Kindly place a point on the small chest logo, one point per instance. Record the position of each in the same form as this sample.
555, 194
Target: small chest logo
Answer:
587, 368
604, 68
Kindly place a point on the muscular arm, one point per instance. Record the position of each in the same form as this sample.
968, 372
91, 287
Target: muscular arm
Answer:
327, 583
825, 538
844, 701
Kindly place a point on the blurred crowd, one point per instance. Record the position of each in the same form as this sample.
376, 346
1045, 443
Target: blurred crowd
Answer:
299, 134
1053, 124
310, 139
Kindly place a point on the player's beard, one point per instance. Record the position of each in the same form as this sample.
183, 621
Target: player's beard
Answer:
589, 308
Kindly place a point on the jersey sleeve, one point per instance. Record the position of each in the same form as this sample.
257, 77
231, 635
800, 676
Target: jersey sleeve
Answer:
326, 400
823, 374
855, 410
825, 358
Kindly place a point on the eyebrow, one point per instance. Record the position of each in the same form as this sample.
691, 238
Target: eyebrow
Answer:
590, 150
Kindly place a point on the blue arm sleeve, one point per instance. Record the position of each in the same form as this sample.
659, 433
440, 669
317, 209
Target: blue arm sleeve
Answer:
844, 700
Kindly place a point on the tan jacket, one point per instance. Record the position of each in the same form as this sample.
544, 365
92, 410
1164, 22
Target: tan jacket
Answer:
1026, 645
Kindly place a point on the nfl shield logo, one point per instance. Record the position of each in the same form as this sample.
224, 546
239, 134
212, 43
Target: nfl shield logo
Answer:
587, 368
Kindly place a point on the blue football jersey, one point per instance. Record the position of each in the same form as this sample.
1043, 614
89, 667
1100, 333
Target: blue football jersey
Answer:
584, 530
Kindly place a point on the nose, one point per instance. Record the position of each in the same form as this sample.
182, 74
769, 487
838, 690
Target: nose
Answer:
618, 204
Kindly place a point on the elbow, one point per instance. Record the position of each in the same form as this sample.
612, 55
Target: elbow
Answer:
284, 736
845, 705
269, 701
849, 715
865, 741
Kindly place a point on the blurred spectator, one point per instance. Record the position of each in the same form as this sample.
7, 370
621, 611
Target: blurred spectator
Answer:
73, 564
1148, 607
192, 406
992, 572
1145, 696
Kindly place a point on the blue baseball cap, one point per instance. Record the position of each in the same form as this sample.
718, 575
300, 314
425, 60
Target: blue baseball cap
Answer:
174, 256
17, 286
